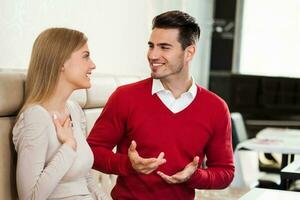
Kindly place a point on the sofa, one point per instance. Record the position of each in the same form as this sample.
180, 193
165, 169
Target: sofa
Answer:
92, 100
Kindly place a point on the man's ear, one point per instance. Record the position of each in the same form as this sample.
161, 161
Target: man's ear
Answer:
189, 52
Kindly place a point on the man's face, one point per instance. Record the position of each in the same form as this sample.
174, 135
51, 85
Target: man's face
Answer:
165, 54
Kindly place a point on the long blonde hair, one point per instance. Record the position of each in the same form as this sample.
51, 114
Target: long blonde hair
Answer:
52, 48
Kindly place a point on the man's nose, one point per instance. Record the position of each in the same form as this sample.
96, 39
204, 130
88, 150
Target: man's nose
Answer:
153, 53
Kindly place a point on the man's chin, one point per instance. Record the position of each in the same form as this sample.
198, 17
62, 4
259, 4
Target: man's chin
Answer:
155, 76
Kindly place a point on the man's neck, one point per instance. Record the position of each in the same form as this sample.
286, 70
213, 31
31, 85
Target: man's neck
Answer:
177, 86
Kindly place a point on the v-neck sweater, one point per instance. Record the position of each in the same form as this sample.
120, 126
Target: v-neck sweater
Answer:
202, 129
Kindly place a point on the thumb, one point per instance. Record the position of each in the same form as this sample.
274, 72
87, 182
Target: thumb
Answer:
132, 146
196, 160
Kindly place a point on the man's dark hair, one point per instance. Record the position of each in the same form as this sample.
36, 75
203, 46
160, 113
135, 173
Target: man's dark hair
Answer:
189, 31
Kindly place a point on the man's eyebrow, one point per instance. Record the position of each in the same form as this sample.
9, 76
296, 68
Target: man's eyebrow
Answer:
164, 44
161, 44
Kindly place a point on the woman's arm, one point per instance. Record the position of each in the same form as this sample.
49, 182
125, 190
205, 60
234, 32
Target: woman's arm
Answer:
37, 178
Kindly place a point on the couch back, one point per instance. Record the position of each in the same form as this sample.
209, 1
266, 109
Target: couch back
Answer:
92, 101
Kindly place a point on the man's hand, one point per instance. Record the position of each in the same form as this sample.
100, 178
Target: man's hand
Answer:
144, 165
183, 175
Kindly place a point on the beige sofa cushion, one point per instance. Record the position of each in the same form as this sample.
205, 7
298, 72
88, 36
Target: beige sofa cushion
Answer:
12, 86
102, 88
11, 92
8, 160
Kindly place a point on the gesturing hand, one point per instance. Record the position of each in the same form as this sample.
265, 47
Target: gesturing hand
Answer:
183, 175
144, 165
64, 132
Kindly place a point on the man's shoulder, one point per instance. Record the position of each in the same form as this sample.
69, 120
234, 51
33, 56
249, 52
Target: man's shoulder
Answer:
210, 96
139, 86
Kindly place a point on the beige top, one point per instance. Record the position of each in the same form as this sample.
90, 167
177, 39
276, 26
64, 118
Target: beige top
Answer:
46, 169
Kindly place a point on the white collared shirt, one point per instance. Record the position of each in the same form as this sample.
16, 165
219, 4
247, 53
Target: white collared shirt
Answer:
166, 96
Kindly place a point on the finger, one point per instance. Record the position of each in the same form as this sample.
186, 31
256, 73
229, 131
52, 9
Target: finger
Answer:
64, 119
161, 159
161, 155
66, 123
148, 161
167, 178
196, 160
56, 121
132, 146
154, 165
147, 171
151, 167
179, 177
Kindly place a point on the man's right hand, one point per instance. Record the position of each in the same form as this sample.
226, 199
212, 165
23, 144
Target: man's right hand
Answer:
144, 165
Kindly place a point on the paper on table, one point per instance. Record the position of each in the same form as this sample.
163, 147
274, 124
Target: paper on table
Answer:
267, 141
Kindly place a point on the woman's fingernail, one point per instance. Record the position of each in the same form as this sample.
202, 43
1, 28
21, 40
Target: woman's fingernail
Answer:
54, 116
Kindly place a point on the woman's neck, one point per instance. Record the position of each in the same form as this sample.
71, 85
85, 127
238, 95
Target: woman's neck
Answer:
58, 101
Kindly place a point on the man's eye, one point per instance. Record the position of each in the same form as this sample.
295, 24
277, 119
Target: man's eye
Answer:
165, 47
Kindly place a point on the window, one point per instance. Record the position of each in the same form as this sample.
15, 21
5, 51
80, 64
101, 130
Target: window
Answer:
268, 40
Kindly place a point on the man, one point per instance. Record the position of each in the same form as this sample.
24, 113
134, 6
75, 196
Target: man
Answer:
163, 126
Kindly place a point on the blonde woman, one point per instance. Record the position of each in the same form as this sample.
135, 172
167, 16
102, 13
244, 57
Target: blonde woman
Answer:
54, 159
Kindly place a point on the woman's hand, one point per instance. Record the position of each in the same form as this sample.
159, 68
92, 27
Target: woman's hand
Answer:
64, 131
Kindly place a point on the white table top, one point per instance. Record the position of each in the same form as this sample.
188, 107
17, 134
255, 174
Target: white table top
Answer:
268, 194
274, 140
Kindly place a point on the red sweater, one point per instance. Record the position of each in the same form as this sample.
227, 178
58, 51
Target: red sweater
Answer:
133, 113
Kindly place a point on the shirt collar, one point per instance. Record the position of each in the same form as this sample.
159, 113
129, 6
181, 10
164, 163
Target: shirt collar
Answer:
157, 86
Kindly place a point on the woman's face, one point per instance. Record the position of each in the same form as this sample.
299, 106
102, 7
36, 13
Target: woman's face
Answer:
78, 68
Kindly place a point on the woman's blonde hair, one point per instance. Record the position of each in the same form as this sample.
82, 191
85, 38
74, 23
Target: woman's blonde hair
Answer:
52, 48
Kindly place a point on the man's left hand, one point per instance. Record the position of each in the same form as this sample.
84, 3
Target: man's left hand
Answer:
183, 175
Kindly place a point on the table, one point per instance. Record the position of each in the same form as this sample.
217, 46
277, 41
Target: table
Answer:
269, 194
275, 140
290, 172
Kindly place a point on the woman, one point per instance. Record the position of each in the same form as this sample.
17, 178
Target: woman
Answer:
54, 158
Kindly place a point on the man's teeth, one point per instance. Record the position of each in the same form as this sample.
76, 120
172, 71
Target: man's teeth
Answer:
157, 64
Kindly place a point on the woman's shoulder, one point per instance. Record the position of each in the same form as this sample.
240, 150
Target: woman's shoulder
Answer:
36, 113
33, 115
31, 124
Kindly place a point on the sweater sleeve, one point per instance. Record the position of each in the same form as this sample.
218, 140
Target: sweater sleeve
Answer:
219, 170
36, 178
107, 132
95, 188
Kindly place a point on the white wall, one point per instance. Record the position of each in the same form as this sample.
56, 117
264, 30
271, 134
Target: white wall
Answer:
118, 30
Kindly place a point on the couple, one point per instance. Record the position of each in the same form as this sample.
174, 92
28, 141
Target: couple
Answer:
163, 126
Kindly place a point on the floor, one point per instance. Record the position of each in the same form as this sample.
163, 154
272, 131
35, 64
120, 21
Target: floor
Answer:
226, 194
